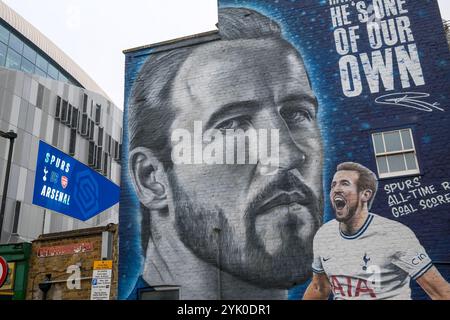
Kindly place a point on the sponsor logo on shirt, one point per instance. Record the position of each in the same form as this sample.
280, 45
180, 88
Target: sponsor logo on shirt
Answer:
419, 259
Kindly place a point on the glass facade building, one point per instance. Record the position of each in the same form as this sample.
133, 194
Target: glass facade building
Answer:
46, 96
19, 54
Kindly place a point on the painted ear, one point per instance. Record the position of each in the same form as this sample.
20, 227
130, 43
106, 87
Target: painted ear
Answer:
366, 195
149, 178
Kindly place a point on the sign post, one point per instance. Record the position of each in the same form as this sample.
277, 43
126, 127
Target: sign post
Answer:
101, 280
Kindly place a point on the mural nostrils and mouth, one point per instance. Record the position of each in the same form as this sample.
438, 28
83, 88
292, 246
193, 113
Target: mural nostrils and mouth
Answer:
288, 194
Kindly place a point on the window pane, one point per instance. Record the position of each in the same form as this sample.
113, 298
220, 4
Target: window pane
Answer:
27, 66
13, 60
4, 35
69, 114
3, 50
378, 141
91, 129
41, 73
85, 102
393, 142
16, 43
98, 112
105, 164
100, 137
58, 108
75, 115
64, 111
98, 165
407, 140
84, 125
42, 63
73, 142
109, 143
397, 163
116, 150
40, 96
52, 72
62, 78
29, 53
382, 165
91, 153
411, 161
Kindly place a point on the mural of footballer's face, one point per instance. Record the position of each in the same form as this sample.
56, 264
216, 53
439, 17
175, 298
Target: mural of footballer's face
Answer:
344, 195
267, 222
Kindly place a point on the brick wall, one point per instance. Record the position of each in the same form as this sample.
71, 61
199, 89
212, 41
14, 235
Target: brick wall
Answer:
57, 265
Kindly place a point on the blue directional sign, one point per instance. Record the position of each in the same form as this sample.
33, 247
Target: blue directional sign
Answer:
67, 186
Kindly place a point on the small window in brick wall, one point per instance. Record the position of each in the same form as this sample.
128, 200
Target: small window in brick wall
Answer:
395, 153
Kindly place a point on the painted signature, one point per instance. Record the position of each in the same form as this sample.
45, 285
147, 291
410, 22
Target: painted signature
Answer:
409, 100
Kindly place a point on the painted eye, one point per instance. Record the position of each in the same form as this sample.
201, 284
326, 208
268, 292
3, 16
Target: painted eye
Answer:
295, 114
234, 124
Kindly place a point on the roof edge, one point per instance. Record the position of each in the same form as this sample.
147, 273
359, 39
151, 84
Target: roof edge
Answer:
178, 42
78, 233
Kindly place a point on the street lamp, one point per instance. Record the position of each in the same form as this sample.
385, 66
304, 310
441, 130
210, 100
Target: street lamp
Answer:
11, 136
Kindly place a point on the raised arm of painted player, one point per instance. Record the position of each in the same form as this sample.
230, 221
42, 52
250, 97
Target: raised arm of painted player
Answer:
319, 289
434, 285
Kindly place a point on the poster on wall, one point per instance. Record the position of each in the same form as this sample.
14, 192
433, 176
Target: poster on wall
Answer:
300, 144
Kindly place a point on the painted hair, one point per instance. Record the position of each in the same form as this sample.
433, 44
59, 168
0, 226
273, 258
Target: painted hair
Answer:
151, 113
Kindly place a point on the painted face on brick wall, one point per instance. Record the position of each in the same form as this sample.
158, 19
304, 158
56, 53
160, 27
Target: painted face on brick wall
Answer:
267, 221
344, 194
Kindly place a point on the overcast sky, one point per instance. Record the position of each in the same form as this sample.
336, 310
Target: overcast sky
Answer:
95, 32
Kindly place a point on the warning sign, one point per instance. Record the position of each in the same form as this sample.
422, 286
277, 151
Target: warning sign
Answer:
103, 265
101, 280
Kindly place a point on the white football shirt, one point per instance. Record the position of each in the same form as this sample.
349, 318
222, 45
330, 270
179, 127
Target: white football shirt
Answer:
375, 263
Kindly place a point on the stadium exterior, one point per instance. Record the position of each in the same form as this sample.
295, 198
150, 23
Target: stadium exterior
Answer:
46, 96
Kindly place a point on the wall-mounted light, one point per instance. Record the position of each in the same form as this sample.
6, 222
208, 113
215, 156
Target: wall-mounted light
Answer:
45, 286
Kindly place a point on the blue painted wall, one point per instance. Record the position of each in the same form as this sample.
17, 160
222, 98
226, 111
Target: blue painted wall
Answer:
346, 123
